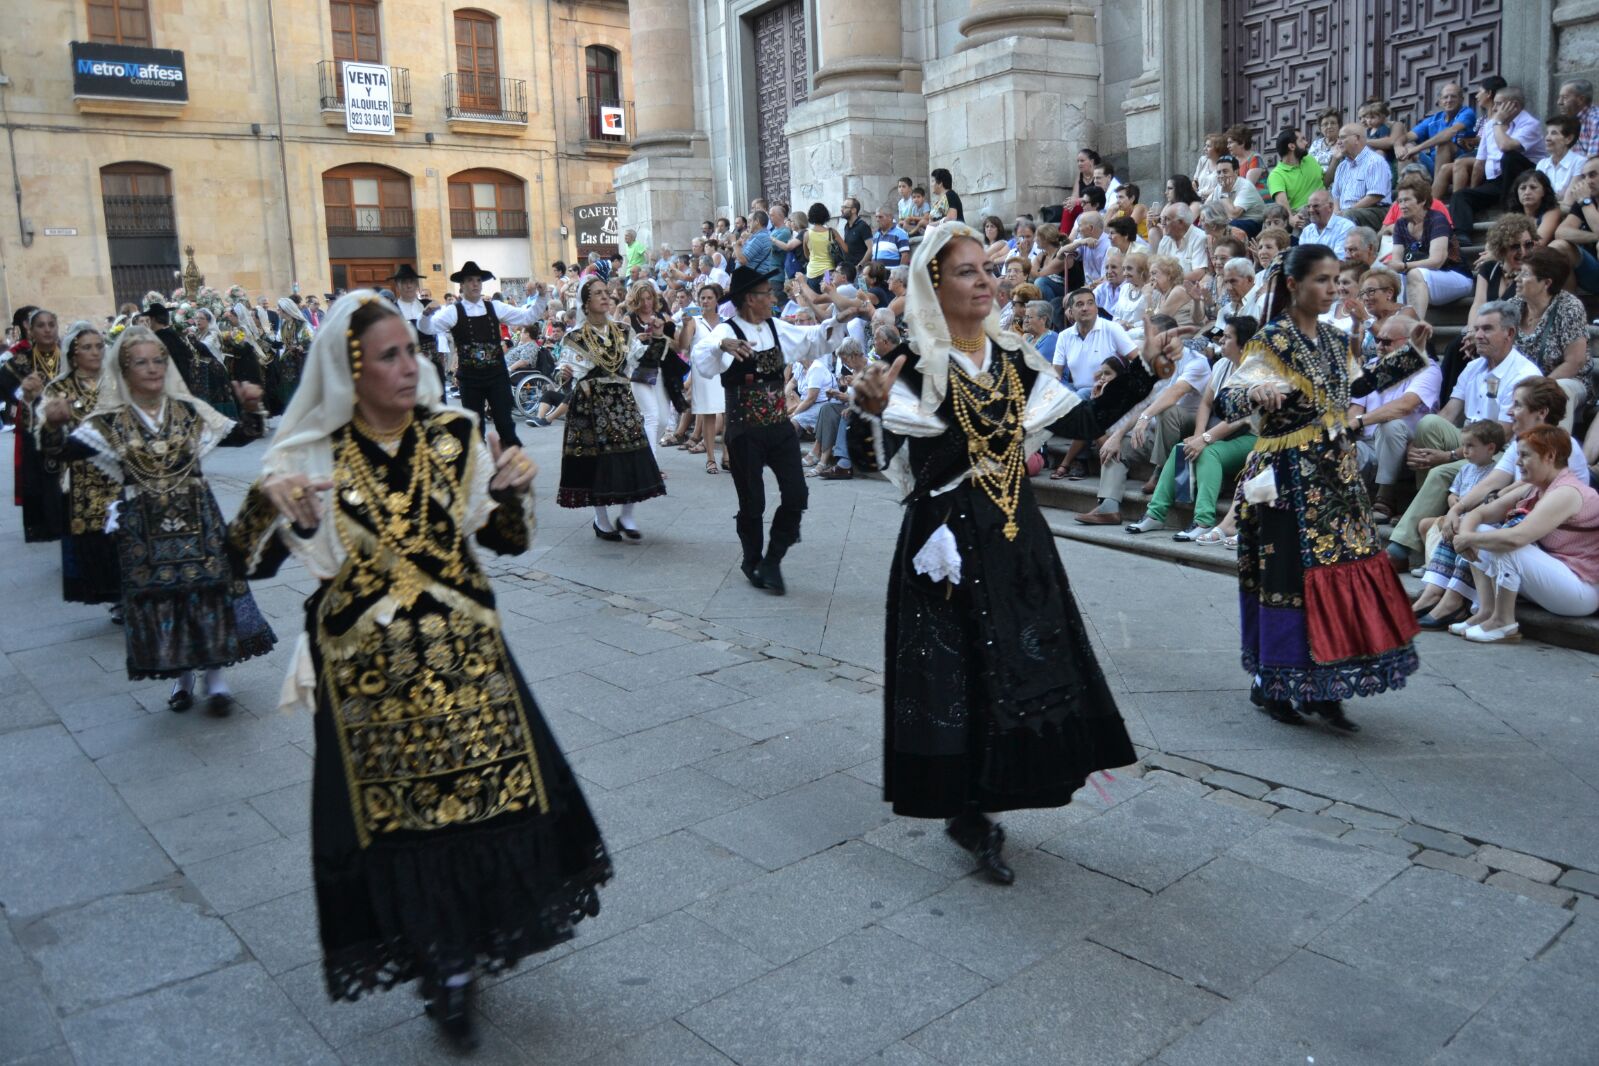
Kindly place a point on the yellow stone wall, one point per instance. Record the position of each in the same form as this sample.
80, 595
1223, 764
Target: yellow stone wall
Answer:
230, 195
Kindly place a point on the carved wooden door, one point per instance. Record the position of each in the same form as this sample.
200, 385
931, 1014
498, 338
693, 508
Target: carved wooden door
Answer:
1288, 59
782, 80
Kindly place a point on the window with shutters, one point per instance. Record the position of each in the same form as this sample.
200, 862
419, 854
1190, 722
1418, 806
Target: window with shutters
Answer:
603, 84
119, 22
477, 64
487, 203
365, 200
141, 228
355, 31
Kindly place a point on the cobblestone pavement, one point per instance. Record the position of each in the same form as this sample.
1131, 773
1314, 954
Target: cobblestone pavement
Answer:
1425, 892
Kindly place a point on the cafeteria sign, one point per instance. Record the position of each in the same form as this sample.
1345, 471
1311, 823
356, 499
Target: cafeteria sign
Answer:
596, 227
368, 99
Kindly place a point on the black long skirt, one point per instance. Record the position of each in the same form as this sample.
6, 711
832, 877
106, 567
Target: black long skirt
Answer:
993, 697
450, 900
89, 569
605, 456
44, 505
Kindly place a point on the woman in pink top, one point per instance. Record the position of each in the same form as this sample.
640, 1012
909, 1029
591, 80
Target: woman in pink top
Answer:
1551, 555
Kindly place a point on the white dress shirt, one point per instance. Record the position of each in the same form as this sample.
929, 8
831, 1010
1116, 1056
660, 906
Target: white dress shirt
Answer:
443, 320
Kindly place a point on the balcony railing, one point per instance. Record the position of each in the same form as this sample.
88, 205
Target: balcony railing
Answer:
370, 222
591, 108
485, 99
330, 76
139, 216
488, 222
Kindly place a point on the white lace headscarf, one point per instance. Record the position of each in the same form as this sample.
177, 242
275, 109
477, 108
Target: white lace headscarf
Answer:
115, 393
70, 337
212, 337
324, 401
929, 333
289, 309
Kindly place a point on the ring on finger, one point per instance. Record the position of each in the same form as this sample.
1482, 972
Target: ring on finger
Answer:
296, 493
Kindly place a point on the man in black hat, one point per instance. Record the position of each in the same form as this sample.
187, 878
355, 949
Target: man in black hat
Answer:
748, 352
406, 283
179, 349
473, 325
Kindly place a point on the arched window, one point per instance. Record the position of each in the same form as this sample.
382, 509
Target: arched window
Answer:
141, 228
602, 84
487, 203
119, 22
366, 199
477, 62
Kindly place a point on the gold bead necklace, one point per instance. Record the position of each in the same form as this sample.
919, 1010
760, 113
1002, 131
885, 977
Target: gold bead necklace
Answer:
973, 344
382, 436
993, 443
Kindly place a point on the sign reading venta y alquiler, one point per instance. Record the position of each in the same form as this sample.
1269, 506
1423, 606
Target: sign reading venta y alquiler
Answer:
128, 72
368, 99
595, 225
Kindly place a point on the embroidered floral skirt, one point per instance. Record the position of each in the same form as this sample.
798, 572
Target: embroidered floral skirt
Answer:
1322, 613
182, 608
993, 696
475, 847
605, 455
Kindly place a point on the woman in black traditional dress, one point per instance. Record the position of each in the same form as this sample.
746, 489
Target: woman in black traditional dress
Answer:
993, 700
448, 836
606, 455
89, 571
38, 478
184, 610
294, 340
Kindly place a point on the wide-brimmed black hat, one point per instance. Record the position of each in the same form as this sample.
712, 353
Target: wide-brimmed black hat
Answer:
743, 280
407, 272
159, 311
471, 269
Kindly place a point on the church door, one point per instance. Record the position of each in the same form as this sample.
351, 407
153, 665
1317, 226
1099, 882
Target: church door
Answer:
782, 80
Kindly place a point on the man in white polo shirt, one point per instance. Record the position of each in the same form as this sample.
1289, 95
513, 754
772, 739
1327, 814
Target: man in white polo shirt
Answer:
1087, 342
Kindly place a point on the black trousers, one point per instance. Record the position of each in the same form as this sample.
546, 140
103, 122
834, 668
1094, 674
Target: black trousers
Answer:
1463, 205
489, 385
750, 452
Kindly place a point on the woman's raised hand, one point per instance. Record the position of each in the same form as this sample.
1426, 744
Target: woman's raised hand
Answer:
875, 383
57, 412
512, 468
296, 497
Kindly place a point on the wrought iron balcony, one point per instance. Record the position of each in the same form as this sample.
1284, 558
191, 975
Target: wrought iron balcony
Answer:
487, 222
594, 125
370, 221
139, 216
330, 76
482, 98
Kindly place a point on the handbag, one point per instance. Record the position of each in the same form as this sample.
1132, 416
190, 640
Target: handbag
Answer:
1183, 481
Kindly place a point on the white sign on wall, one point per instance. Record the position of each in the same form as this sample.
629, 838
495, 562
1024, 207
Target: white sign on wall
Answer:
611, 122
368, 99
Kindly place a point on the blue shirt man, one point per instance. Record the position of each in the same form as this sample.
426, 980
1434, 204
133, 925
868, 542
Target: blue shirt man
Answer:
889, 244
757, 250
1453, 113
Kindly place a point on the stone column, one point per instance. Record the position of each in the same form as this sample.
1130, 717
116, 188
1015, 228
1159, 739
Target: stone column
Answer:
1141, 107
1008, 111
664, 189
865, 124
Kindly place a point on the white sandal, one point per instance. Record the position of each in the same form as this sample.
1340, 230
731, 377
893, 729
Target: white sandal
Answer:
1230, 543
1209, 537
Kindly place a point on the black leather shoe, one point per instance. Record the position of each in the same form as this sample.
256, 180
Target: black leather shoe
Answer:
450, 1007
1332, 712
771, 577
219, 704
632, 536
604, 535
986, 841
180, 700
752, 571
1278, 710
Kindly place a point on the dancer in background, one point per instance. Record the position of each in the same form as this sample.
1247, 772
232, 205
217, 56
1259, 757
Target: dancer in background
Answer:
448, 837
30, 368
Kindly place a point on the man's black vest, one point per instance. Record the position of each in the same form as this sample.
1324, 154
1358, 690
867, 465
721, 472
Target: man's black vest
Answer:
480, 332
766, 368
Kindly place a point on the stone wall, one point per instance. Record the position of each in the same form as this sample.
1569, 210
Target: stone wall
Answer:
231, 197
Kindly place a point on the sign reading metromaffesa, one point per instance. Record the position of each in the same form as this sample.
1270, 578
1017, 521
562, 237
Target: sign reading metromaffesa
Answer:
368, 99
596, 227
127, 72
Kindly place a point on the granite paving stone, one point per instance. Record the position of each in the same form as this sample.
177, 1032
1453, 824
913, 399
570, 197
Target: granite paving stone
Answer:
344, 1023
1555, 897
1154, 838
628, 759
167, 1026
1287, 1017
997, 931
661, 804
663, 875
668, 1044
419, 1043
1244, 786
1533, 869
1259, 808
122, 945
31, 1025
802, 821
281, 933
817, 900
1313, 858
1223, 926
1316, 823
211, 832
836, 1005
776, 764
793, 706
619, 987
1541, 1017
647, 671
1448, 938
253, 875
1442, 860
1085, 1006
1299, 801
1580, 881
1361, 817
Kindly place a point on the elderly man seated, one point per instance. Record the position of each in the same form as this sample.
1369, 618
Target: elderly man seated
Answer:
1485, 389
831, 452
1363, 182
1511, 142
1386, 420
1086, 342
1183, 241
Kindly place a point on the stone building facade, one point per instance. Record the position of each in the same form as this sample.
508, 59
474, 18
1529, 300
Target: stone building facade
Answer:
811, 100
498, 138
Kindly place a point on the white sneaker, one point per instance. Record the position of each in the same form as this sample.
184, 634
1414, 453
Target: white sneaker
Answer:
1192, 533
1145, 525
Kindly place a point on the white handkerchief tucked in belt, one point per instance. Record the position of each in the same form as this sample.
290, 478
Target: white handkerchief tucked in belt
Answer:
940, 557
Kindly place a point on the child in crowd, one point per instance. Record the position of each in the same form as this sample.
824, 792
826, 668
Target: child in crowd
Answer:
1448, 591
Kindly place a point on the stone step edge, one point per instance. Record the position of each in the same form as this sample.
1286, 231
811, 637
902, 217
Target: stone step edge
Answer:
1578, 634
1545, 880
